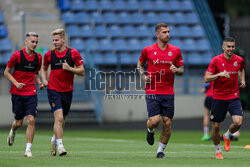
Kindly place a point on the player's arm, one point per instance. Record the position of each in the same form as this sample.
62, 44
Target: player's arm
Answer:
177, 70
45, 75
8, 75
241, 74
140, 68
38, 81
209, 77
79, 70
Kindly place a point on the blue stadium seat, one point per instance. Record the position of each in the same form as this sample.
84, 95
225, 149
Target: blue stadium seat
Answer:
192, 18
128, 31
77, 5
147, 5
105, 45
194, 58
92, 45
174, 5
132, 5
78, 44
147, 42
98, 58
152, 30
68, 17
198, 31
100, 31
97, 18
114, 31
82, 18
126, 59
91, 5
179, 18
189, 45
5, 57
120, 45
151, 18
5, 45
173, 31
207, 57
137, 18
187, 5
165, 17
110, 18
203, 45
184, 31
176, 42
160, 5
73, 31
134, 45
142, 31
84, 58
64, 5
123, 18
119, 5
86, 31
110, 58
3, 31
135, 57
105, 5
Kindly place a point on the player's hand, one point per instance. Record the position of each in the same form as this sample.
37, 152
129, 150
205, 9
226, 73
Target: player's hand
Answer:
224, 74
146, 78
41, 85
66, 66
45, 83
173, 69
20, 85
242, 84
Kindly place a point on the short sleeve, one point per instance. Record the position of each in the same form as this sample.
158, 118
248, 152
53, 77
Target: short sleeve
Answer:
179, 60
212, 66
76, 57
14, 59
39, 62
143, 58
47, 58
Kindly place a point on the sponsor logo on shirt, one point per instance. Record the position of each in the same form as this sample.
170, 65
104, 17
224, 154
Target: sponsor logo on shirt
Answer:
29, 66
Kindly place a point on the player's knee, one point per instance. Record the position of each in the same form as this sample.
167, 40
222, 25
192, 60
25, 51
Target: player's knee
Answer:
31, 121
19, 123
155, 122
59, 119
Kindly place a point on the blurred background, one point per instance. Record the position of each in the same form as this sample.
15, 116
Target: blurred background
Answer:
110, 35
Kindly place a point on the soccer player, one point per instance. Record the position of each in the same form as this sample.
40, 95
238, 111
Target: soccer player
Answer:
26, 64
224, 70
60, 85
207, 107
164, 61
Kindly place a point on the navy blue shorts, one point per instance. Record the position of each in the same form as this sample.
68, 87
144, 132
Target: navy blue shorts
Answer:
24, 105
208, 102
160, 104
60, 100
220, 108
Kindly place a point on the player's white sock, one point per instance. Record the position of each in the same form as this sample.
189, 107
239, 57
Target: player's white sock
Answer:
151, 131
228, 134
161, 147
12, 131
217, 148
28, 146
59, 143
206, 130
53, 139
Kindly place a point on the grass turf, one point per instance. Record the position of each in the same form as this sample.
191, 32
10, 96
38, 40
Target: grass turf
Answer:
123, 149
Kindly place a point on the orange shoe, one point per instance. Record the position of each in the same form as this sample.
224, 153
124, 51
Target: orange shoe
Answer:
247, 147
226, 143
218, 155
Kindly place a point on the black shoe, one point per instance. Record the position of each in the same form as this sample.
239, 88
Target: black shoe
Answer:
150, 138
234, 138
160, 155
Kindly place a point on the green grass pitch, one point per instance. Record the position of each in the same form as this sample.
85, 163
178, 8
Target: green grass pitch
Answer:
121, 149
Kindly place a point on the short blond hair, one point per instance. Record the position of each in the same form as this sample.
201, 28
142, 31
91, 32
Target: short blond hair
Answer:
59, 31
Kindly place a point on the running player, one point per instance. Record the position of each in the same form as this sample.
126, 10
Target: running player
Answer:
26, 64
164, 61
224, 70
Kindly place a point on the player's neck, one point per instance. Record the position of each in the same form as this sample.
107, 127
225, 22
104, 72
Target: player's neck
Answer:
61, 49
228, 57
29, 52
162, 45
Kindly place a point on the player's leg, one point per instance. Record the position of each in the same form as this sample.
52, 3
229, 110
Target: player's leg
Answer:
15, 125
154, 118
29, 135
216, 139
206, 120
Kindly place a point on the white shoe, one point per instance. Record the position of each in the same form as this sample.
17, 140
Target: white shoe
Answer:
53, 149
28, 153
62, 151
10, 139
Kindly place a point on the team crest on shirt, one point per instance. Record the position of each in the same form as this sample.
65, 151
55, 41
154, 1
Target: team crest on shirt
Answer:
155, 53
235, 64
170, 53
